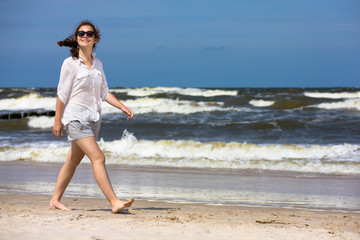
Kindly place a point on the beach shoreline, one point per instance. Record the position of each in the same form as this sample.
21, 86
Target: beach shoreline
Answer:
28, 216
209, 186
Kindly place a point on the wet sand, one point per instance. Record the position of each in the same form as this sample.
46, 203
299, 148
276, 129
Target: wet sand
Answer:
27, 216
210, 186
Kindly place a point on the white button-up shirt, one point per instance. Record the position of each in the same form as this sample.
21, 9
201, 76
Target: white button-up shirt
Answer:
81, 88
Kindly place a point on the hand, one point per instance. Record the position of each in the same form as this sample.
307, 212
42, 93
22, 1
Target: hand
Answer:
58, 129
112, 100
128, 112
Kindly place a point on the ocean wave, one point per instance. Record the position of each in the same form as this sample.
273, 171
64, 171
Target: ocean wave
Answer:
338, 159
148, 91
49, 152
261, 103
28, 101
139, 105
119, 90
339, 95
165, 105
145, 105
347, 104
150, 105
42, 122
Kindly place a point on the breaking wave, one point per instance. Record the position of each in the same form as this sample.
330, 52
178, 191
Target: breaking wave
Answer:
346, 104
140, 105
148, 91
29, 101
337, 159
261, 103
339, 95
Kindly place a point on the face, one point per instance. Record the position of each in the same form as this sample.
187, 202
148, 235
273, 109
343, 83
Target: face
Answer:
86, 41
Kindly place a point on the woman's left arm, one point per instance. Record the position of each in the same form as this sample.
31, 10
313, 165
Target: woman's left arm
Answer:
111, 99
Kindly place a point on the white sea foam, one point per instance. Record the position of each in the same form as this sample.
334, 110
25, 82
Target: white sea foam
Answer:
139, 106
36, 152
42, 122
119, 90
146, 105
207, 93
339, 95
261, 103
29, 101
148, 91
164, 105
346, 104
340, 159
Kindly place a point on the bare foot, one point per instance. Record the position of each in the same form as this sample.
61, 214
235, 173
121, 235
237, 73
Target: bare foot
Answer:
118, 205
58, 205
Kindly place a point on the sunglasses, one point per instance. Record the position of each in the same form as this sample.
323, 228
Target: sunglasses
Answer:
88, 33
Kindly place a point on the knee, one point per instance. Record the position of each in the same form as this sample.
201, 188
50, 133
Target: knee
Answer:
98, 159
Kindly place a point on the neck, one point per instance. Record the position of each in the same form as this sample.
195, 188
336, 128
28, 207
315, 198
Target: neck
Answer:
85, 53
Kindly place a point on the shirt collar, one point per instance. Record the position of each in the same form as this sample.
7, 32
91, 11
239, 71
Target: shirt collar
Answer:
79, 60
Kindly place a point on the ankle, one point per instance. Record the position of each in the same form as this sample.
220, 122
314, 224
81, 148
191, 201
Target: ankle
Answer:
114, 201
53, 199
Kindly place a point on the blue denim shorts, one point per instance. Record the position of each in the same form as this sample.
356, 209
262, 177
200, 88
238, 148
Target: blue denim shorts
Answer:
77, 130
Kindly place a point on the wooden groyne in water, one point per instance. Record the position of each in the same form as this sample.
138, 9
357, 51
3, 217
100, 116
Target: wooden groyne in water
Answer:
24, 114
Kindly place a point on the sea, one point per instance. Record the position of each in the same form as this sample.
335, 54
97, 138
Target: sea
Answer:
279, 147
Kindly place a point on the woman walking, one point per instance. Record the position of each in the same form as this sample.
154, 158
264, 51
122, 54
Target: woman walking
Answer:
81, 88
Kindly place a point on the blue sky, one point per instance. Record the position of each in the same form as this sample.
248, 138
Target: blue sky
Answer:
224, 43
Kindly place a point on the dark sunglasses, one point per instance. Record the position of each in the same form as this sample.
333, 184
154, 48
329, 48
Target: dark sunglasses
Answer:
88, 33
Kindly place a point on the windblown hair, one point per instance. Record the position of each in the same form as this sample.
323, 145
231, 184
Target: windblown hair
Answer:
71, 40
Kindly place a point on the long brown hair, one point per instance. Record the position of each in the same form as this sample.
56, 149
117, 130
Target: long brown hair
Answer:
71, 40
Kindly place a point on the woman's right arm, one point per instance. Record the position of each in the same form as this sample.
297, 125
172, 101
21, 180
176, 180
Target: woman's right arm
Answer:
58, 127
63, 93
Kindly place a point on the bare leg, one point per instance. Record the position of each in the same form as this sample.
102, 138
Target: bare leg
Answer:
90, 147
66, 173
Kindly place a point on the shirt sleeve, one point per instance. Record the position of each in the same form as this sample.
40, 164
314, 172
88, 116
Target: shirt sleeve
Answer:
65, 83
104, 86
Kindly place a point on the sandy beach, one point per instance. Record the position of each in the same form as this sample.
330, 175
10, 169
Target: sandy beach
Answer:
27, 216
250, 164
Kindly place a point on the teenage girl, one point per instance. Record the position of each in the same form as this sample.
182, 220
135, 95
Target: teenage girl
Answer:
82, 87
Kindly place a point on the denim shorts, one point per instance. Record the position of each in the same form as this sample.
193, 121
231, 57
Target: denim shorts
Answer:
77, 130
